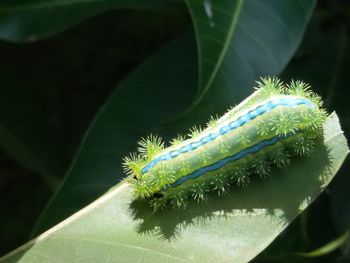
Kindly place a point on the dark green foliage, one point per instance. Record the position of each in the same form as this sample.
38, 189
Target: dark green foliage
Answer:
59, 73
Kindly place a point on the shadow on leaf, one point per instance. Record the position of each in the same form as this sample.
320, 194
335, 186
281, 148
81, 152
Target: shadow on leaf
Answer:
281, 197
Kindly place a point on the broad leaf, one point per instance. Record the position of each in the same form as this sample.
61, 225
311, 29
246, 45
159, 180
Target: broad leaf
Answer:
242, 40
233, 228
23, 20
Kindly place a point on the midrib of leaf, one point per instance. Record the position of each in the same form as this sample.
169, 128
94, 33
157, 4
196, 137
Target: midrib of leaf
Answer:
235, 17
57, 4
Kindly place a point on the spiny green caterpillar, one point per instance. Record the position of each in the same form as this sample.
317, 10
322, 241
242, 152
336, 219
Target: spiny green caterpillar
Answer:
275, 123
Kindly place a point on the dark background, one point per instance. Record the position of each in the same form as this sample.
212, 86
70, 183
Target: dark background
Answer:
71, 74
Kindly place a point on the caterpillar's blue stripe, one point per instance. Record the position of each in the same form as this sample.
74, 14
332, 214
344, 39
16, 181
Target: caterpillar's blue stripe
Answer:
251, 115
215, 166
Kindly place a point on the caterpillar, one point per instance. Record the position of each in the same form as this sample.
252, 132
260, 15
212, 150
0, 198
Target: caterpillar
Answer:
275, 123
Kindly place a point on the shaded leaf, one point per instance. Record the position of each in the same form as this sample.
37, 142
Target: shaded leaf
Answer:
242, 40
22, 20
23, 133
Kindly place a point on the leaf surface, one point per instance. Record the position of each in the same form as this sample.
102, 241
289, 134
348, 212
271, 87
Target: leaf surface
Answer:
233, 228
242, 40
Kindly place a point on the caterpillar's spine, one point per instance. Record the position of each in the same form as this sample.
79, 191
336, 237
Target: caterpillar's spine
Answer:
276, 122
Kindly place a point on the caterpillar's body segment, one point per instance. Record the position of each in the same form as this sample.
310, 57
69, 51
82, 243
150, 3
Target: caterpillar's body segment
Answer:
269, 127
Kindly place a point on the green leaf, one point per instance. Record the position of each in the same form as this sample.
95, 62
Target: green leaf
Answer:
173, 72
23, 20
242, 40
23, 133
233, 228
